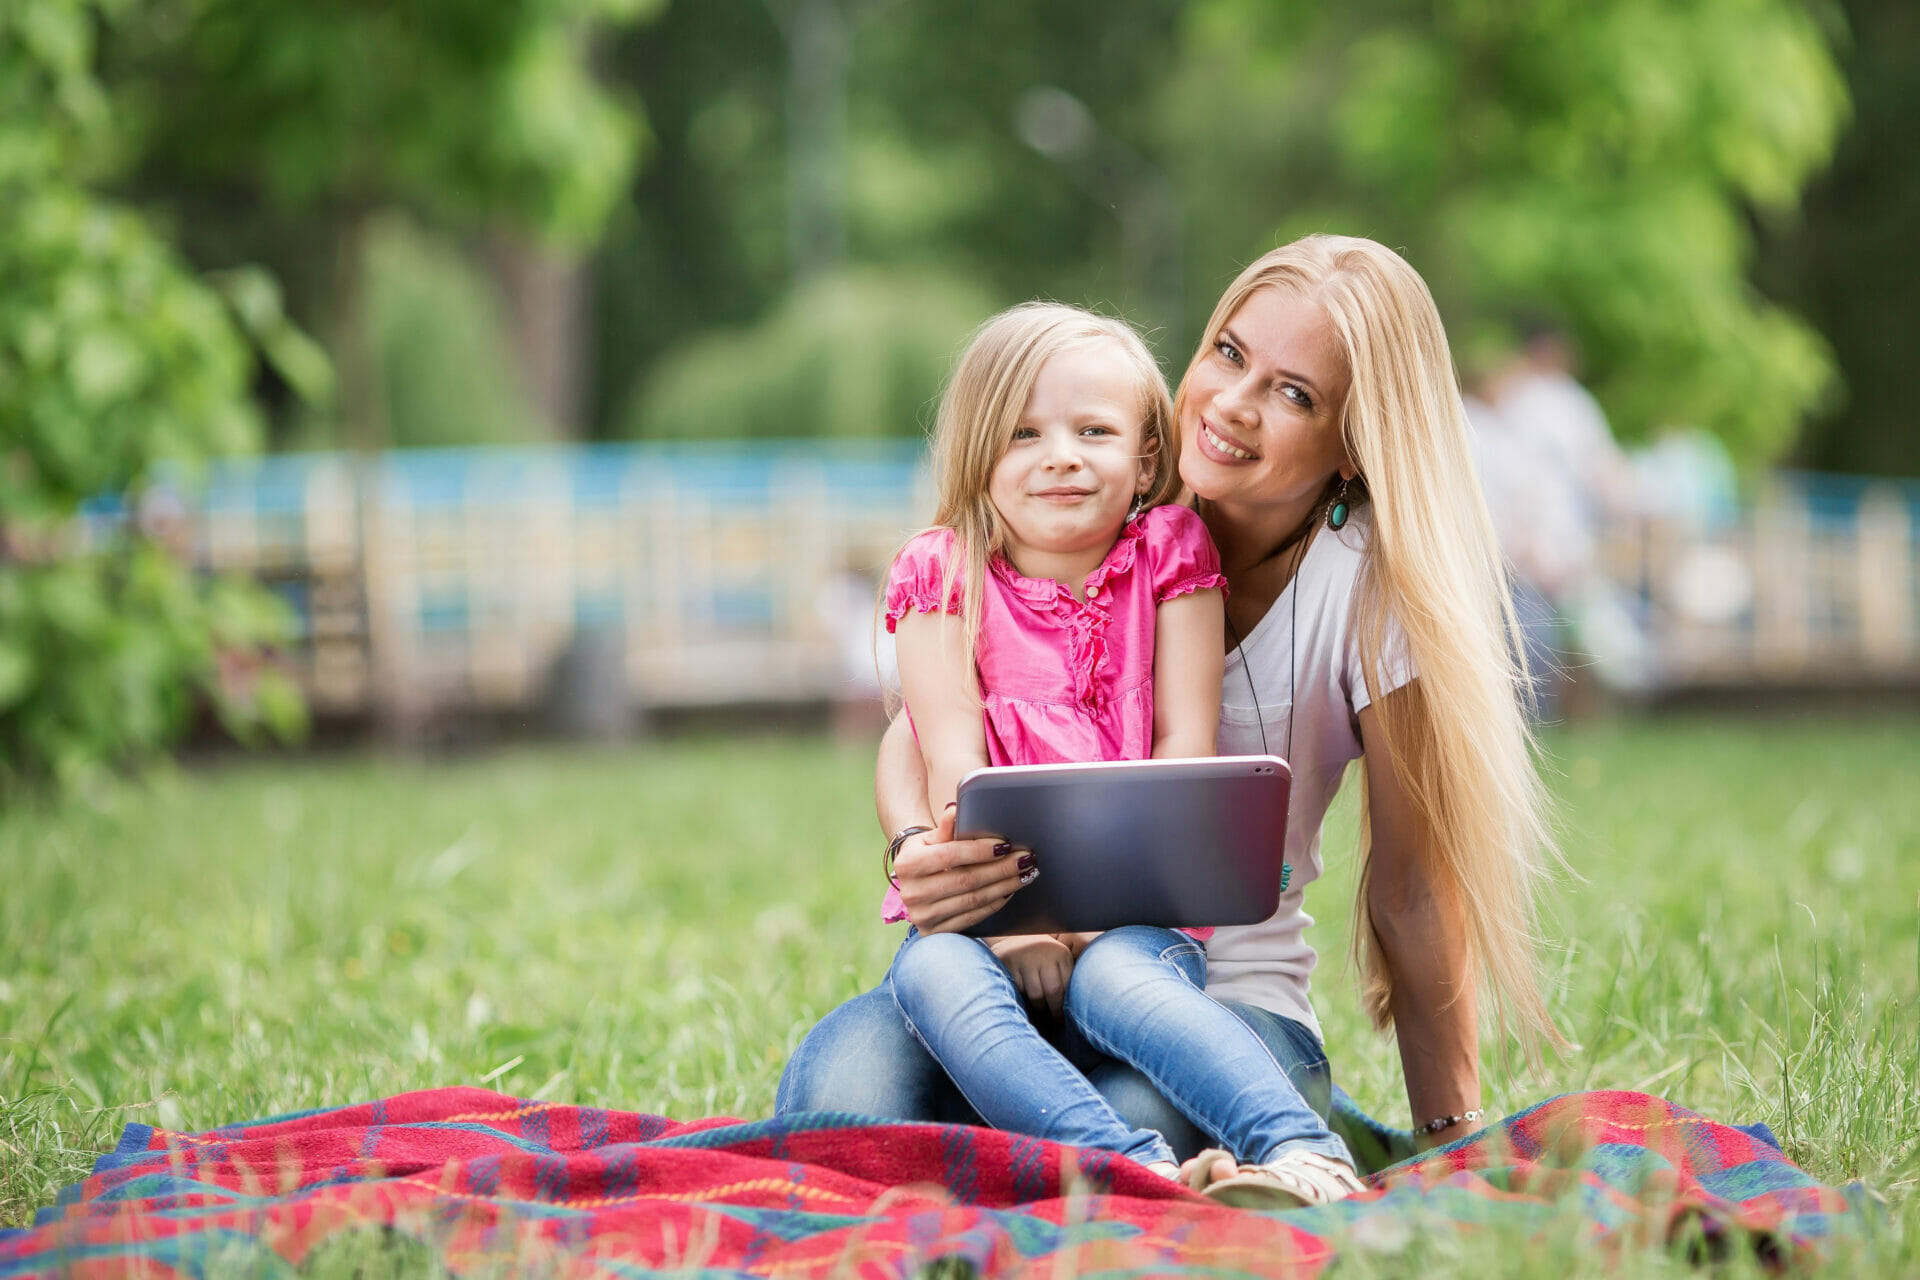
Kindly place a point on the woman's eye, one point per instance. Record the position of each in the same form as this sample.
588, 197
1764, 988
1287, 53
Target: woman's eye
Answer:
1298, 395
1228, 350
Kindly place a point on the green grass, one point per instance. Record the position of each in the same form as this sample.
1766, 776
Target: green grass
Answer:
655, 928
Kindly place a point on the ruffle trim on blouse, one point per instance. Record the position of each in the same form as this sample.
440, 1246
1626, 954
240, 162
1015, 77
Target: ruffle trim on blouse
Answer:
1198, 582
918, 601
917, 575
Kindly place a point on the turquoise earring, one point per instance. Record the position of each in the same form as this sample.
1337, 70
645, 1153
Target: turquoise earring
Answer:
1338, 512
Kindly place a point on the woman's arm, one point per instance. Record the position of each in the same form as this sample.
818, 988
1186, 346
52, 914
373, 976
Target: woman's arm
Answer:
1421, 932
1189, 643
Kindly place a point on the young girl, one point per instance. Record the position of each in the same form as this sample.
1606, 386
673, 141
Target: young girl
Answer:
1059, 611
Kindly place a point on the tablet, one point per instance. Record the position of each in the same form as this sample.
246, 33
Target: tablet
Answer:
1180, 843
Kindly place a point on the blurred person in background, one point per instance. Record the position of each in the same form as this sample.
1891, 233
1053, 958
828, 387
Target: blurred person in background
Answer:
1559, 482
1535, 516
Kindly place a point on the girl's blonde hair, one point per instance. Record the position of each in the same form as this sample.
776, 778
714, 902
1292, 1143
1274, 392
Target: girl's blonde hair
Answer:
1457, 735
982, 405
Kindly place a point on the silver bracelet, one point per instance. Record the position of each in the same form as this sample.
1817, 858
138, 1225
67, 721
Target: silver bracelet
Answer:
1439, 1123
893, 848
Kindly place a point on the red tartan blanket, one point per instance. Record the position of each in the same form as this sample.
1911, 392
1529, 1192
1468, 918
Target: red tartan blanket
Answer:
488, 1181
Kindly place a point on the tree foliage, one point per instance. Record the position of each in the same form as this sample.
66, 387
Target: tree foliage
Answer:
114, 356
287, 132
1602, 163
939, 184
1850, 264
470, 112
852, 353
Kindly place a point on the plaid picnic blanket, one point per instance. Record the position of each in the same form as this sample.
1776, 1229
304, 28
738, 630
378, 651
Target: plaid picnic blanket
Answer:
489, 1182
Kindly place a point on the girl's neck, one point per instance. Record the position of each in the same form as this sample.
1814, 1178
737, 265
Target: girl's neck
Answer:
1068, 568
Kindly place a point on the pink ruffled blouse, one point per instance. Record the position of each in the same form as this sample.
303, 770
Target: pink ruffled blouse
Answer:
1065, 681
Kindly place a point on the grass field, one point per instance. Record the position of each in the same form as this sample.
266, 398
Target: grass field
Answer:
655, 928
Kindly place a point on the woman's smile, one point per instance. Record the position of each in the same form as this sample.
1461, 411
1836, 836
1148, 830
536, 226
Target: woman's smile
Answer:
1215, 442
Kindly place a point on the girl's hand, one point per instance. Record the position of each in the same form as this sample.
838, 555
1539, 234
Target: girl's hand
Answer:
1077, 942
1040, 964
949, 884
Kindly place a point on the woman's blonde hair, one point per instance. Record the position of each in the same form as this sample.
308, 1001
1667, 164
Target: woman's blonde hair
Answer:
1458, 735
982, 405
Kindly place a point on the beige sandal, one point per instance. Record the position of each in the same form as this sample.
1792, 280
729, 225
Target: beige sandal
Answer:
1291, 1180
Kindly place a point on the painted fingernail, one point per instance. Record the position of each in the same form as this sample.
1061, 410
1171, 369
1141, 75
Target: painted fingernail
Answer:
1002, 849
1028, 876
1027, 861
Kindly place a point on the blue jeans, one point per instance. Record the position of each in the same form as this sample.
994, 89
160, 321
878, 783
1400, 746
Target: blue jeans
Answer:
862, 1059
1138, 995
960, 1002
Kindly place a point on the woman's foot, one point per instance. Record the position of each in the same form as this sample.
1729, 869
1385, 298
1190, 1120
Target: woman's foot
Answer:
1288, 1181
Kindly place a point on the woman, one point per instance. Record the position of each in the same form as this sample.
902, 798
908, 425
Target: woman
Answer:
1323, 442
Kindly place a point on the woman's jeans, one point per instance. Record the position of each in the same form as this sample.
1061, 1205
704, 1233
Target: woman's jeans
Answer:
1253, 1080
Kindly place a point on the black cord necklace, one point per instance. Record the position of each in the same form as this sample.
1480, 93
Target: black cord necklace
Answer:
1298, 542
1293, 657
1335, 509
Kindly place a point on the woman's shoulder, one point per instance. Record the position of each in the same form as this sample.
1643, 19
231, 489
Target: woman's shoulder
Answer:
1341, 552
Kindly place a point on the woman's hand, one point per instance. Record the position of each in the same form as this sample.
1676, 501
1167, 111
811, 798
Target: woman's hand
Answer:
949, 884
1040, 964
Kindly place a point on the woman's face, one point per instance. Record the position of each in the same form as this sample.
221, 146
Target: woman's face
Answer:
1260, 418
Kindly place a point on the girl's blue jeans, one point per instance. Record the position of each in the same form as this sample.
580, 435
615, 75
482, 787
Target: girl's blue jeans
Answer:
1137, 997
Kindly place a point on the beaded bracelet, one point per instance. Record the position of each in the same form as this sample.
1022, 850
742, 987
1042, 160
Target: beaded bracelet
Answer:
893, 849
1439, 1123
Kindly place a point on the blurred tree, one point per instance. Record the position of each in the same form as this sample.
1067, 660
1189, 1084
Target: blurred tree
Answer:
435, 329
313, 117
849, 353
939, 184
113, 358
1597, 162
1851, 262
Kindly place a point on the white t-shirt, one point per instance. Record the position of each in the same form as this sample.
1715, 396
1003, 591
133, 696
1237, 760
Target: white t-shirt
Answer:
1270, 964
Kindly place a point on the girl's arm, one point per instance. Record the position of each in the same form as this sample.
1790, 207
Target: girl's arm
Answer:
937, 685
1422, 937
1189, 653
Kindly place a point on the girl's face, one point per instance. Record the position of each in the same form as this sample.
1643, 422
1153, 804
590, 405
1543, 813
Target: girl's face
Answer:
1260, 418
1074, 465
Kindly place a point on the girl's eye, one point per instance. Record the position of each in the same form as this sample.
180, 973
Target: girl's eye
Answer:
1097, 430
1025, 433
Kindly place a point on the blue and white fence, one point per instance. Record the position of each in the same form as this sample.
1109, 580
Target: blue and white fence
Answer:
445, 578
434, 580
